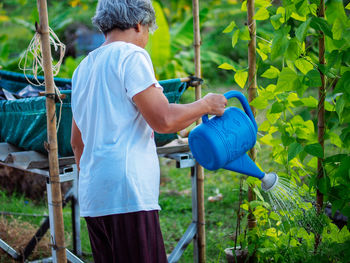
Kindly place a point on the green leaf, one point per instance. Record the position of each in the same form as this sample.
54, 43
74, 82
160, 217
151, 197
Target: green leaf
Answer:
310, 102
313, 78
230, 27
271, 73
348, 6
245, 207
324, 184
282, 11
244, 6
265, 126
336, 205
290, 64
275, 21
343, 169
288, 80
241, 78
337, 29
290, 8
273, 117
259, 102
303, 65
333, 58
298, 17
335, 139
343, 85
313, 9
261, 54
279, 43
262, 14
335, 158
315, 150
335, 9
328, 106
321, 24
286, 139
339, 107
227, 66
313, 163
293, 150
235, 37
302, 30
293, 51
262, 3
159, 43
258, 194
271, 232
303, 8
244, 33
278, 107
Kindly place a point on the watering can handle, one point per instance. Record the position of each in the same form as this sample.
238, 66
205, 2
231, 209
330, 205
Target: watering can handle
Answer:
239, 95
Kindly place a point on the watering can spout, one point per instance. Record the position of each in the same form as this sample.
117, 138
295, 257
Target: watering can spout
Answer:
245, 165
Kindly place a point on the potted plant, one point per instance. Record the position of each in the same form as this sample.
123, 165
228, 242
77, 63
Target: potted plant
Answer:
236, 254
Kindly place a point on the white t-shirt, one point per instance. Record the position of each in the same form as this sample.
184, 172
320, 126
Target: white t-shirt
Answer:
119, 168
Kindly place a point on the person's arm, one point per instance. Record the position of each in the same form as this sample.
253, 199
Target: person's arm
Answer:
77, 143
165, 117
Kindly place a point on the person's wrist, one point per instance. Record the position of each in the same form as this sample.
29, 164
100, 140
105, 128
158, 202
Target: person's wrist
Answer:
205, 105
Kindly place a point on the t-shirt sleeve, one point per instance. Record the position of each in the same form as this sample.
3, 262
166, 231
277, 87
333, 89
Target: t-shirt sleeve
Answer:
138, 73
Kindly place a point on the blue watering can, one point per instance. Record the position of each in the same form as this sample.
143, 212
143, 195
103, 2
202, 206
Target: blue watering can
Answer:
222, 142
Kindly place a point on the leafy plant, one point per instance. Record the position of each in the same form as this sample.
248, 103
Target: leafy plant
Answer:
290, 71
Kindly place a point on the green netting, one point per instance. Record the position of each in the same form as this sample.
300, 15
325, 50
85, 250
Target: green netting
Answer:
23, 121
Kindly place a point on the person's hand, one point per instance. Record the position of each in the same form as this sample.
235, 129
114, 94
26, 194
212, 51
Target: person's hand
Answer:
216, 103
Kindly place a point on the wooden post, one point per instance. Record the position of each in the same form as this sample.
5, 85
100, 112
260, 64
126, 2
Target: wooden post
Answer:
252, 92
43, 30
200, 170
321, 120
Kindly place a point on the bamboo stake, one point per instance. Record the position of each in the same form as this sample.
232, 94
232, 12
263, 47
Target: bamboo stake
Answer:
43, 30
200, 170
252, 91
321, 121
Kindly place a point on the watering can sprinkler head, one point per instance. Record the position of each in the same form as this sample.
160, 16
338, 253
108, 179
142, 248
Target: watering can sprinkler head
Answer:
269, 181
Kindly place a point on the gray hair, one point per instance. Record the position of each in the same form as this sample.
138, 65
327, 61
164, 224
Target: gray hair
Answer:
124, 14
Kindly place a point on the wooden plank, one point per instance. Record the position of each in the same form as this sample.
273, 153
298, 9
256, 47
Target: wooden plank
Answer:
173, 149
23, 159
39, 161
32, 171
64, 161
5, 149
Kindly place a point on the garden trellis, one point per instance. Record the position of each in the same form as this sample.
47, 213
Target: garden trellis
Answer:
56, 198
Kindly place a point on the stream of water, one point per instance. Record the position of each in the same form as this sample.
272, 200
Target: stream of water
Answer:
287, 200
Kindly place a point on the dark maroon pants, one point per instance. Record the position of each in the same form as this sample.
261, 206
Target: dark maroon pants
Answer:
127, 238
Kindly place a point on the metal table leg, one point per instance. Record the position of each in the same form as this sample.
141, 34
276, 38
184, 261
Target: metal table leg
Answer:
182, 161
76, 214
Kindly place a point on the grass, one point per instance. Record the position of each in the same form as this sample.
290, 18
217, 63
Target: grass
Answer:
175, 216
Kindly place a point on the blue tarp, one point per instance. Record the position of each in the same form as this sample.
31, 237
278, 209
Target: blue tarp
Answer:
23, 121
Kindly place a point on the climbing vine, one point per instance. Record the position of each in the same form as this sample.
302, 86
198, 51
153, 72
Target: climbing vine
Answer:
289, 75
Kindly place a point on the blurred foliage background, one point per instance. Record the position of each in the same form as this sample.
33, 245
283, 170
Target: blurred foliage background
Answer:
171, 46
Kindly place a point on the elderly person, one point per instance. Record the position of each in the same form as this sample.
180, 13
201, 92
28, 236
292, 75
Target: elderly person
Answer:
117, 105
